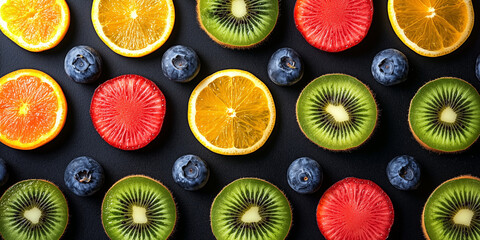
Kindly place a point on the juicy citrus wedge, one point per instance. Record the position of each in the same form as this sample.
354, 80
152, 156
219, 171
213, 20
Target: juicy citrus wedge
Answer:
231, 112
431, 28
133, 28
32, 109
35, 25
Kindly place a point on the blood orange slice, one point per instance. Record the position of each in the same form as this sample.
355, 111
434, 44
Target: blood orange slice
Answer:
333, 26
355, 209
128, 111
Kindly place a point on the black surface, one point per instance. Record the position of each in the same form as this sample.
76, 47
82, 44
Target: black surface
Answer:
286, 143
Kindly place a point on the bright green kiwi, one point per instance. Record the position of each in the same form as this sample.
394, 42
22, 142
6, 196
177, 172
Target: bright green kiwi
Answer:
138, 208
444, 115
452, 212
237, 23
250, 209
33, 210
337, 112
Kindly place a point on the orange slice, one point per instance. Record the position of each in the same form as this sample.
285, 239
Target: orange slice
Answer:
35, 25
32, 109
231, 112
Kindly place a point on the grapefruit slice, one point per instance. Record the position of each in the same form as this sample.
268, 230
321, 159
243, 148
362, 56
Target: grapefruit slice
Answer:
128, 111
355, 209
333, 26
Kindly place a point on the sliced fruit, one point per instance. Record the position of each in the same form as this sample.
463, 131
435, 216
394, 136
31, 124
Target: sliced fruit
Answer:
443, 115
128, 111
431, 28
133, 28
33, 109
355, 209
34, 25
238, 23
251, 209
231, 112
337, 112
138, 207
33, 209
333, 26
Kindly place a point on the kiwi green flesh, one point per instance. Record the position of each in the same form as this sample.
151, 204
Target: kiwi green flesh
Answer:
337, 112
238, 23
251, 209
33, 210
138, 207
458, 127
442, 217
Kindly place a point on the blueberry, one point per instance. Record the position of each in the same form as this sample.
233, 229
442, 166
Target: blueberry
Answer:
477, 67
403, 172
83, 64
180, 64
285, 67
84, 176
190, 172
305, 175
3, 172
390, 67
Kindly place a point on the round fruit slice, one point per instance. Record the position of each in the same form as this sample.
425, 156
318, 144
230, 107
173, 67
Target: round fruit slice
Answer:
355, 209
33, 109
238, 23
333, 26
34, 25
443, 115
231, 112
128, 111
251, 209
133, 28
452, 211
337, 112
33, 210
138, 207
431, 28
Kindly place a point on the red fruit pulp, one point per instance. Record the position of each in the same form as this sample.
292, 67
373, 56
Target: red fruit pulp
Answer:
355, 209
128, 111
333, 25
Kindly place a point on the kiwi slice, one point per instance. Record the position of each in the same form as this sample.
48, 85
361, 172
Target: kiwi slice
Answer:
337, 112
452, 212
237, 23
250, 209
138, 207
444, 115
33, 210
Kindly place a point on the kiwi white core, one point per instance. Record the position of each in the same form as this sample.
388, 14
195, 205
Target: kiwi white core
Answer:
431, 12
252, 215
338, 112
448, 115
33, 215
23, 109
463, 217
139, 215
239, 8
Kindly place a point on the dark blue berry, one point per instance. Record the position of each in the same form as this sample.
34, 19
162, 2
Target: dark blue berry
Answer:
285, 67
305, 175
84, 176
403, 172
180, 64
390, 67
83, 64
3, 172
190, 172
477, 67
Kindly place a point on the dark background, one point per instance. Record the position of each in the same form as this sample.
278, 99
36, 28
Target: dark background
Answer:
392, 136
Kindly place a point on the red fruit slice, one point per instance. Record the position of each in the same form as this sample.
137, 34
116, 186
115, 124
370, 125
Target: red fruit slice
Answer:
333, 25
128, 111
355, 209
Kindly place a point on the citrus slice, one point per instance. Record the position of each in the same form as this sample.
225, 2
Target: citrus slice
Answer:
231, 112
431, 28
34, 25
133, 28
32, 109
